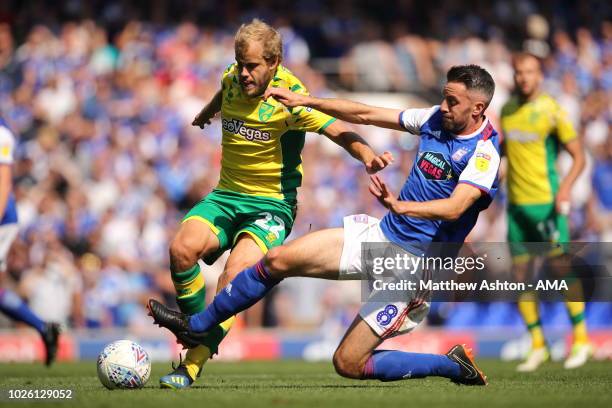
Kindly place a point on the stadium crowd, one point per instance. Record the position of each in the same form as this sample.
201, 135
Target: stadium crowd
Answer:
101, 96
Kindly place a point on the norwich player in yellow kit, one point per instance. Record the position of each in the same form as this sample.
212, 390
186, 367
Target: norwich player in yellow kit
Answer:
535, 127
253, 207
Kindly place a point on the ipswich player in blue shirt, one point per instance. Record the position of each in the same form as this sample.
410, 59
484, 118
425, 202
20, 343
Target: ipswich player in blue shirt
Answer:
10, 303
453, 178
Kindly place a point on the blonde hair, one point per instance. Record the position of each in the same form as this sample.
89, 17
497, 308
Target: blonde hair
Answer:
257, 30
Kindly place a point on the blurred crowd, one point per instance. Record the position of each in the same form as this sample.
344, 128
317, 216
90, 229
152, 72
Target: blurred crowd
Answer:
101, 96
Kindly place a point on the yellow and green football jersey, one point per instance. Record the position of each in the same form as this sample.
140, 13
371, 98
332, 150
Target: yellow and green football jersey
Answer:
263, 140
532, 133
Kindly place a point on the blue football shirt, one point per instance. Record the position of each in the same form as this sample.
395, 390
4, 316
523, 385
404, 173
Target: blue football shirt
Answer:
443, 161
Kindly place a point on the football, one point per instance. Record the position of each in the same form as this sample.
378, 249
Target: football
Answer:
124, 364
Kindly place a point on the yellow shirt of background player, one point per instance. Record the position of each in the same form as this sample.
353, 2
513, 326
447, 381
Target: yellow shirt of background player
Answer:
532, 134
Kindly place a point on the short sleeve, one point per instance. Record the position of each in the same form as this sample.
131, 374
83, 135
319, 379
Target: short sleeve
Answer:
413, 119
308, 119
565, 130
481, 169
228, 75
7, 145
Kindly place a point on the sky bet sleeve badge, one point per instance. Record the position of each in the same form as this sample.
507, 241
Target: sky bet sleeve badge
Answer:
482, 161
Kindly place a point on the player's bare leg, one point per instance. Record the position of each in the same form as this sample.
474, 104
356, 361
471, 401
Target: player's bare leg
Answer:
314, 255
357, 357
194, 240
355, 349
245, 253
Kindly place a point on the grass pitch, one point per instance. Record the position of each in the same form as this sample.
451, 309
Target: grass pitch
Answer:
315, 385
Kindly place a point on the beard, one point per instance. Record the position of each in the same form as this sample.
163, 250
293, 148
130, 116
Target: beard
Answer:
253, 90
449, 125
527, 90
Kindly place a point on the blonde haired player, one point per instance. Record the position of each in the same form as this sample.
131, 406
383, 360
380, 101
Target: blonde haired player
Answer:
252, 209
535, 127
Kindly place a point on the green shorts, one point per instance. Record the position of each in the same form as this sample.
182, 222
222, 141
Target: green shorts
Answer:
536, 223
228, 214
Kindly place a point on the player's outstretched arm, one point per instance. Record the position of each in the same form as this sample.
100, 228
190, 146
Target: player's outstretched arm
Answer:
447, 209
349, 111
208, 112
357, 147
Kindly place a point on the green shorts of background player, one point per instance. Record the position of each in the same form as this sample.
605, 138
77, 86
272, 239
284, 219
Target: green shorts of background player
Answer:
543, 224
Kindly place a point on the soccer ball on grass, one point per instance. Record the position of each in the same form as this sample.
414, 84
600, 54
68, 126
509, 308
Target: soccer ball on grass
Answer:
124, 364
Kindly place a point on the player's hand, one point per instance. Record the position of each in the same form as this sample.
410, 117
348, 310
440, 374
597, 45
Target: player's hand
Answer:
379, 162
379, 189
286, 97
202, 119
563, 200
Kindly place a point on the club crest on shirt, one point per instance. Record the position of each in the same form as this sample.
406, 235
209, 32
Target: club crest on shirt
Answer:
458, 155
265, 111
434, 166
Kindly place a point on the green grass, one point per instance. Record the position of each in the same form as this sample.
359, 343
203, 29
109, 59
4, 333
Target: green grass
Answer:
299, 384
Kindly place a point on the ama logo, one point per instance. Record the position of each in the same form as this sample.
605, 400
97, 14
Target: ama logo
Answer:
435, 167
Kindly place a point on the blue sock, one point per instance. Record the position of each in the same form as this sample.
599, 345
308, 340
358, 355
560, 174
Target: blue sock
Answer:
391, 365
15, 308
245, 290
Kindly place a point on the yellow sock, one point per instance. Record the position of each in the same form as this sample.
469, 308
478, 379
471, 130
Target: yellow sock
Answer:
191, 292
529, 311
575, 308
197, 357
576, 312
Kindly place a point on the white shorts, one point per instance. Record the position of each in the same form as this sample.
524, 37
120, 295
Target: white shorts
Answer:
386, 318
8, 232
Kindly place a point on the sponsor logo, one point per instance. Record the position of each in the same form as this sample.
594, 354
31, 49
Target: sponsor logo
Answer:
265, 111
384, 317
228, 289
360, 219
237, 127
482, 161
522, 137
434, 166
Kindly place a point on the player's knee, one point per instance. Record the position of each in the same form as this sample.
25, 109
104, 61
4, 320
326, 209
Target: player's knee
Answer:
183, 254
346, 365
276, 261
229, 273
